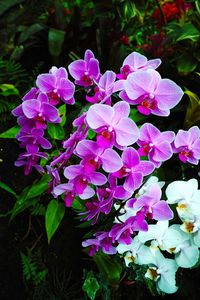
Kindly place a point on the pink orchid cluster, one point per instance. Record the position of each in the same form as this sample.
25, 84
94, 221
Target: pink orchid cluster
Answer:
108, 170
36, 111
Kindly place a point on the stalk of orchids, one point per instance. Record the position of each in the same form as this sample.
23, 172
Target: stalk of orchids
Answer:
108, 172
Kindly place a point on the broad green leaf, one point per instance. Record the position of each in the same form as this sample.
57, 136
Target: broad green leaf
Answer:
193, 110
55, 41
7, 188
56, 131
8, 89
91, 285
53, 217
10, 133
188, 31
62, 111
186, 64
29, 31
29, 195
109, 267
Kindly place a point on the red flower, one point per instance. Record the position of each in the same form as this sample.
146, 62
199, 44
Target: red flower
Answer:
171, 10
124, 40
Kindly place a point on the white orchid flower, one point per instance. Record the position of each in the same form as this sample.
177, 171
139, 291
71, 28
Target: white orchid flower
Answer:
136, 252
186, 253
163, 271
161, 235
186, 195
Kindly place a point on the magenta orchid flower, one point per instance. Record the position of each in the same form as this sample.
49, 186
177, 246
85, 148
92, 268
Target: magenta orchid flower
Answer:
85, 71
122, 232
93, 157
153, 207
32, 94
187, 144
81, 178
135, 62
151, 93
113, 190
55, 179
102, 240
30, 159
34, 136
112, 124
69, 192
133, 169
40, 111
93, 244
95, 208
106, 242
57, 85
105, 88
155, 144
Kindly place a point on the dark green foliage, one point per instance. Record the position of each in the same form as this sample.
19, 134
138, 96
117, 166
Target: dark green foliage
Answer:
34, 271
12, 72
57, 286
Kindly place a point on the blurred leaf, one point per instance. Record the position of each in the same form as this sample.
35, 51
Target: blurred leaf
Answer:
55, 41
53, 217
8, 89
10, 133
109, 267
188, 31
7, 188
28, 195
91, 285
56, 131
193, 111
5, 5
62, 111
27, 32
186, 64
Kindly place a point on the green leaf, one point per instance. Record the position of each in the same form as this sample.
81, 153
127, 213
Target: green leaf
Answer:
7, 188
55, 41
91, 134
56, 131
78, 205
10, 133
193, 110
136, 116
91, 285
62, 111
28, 195
53, 217
186, 64
8, 89
188, 31
109, 267
5, 5
28, 31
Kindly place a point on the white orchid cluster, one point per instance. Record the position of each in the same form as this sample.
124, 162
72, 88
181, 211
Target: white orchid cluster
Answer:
180, 241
